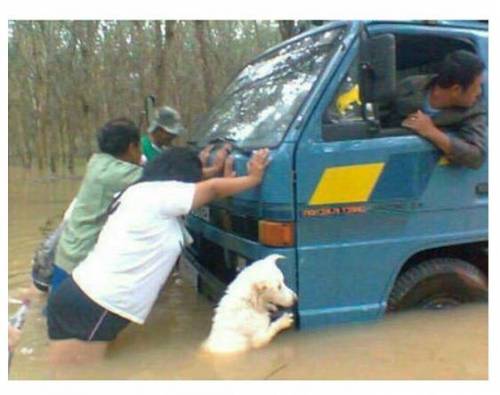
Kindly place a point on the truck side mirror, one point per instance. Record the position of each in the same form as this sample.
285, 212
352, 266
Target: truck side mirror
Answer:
378, 68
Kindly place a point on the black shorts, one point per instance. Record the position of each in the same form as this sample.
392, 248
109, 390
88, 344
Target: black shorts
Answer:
71, 314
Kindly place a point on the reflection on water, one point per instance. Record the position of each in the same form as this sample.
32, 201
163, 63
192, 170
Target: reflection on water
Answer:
419, 345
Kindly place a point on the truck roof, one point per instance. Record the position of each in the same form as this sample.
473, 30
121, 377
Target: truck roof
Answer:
467, 24
325, 25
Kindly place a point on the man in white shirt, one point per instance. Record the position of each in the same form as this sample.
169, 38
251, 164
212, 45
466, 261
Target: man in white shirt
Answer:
137, 248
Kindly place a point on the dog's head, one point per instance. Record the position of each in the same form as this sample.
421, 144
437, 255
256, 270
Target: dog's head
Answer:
268, 284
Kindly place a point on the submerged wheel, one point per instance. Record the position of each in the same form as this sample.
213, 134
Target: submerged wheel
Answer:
438, 283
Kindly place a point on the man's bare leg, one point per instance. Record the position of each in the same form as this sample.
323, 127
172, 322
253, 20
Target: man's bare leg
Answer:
74, 352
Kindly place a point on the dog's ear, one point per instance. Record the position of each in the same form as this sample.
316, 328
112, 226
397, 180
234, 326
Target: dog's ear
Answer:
257, 289
260, 286
273, 259
276, 258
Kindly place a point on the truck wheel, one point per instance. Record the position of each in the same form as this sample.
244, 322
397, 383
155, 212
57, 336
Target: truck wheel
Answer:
438, 283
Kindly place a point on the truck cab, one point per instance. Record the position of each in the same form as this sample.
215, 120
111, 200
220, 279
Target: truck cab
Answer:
370, 217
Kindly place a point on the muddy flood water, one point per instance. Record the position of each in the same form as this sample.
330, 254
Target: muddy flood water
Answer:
419, 345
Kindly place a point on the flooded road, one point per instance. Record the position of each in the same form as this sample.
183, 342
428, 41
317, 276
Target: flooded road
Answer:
418, 345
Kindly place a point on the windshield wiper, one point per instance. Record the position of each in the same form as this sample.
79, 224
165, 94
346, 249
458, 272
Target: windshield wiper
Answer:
215, 140
221, 139
231, 141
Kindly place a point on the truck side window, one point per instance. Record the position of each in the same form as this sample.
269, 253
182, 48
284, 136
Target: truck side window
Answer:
346, 104
416, 54
343, 118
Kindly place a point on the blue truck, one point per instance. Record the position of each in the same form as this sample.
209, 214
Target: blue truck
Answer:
371, 219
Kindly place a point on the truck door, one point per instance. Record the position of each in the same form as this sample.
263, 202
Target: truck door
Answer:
366, 200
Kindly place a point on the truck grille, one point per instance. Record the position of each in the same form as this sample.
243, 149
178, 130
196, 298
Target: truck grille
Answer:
211, 256
246, 227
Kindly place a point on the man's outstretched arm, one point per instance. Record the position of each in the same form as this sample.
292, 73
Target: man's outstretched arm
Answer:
456, 149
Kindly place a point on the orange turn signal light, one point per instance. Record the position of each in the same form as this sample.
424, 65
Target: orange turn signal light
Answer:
277, 234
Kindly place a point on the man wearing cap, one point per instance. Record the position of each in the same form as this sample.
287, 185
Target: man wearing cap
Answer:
162, 131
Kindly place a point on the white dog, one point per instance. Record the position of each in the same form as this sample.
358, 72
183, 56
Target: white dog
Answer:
243, 317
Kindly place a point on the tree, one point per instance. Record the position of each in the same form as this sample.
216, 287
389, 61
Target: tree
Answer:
200, 28
164, 35
286, 29
66, 78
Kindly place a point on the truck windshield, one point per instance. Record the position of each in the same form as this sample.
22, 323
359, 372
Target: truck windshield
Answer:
257, 108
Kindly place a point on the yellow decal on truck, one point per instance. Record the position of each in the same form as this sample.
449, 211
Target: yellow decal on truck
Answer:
346, 184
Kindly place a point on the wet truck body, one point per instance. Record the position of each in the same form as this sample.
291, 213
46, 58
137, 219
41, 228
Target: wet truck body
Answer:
353, 204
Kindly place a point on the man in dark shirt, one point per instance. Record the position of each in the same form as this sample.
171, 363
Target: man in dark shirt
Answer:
449, 99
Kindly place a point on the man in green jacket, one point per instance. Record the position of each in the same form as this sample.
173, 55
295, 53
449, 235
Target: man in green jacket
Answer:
108, 172
112, 170
163, 130
427, 104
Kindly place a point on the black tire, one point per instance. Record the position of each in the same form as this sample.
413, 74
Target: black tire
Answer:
42, 264
438, 283
41, 280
